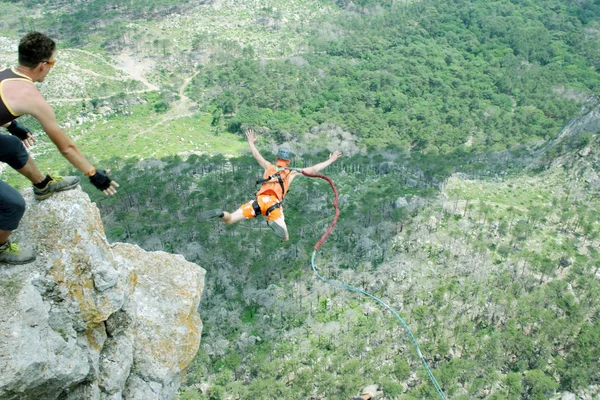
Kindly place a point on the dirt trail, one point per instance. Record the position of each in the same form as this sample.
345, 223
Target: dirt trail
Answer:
136, 68
132, 69
179, 109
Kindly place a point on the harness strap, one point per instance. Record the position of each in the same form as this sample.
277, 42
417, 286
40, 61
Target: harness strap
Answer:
279, 179
281, 184
272, 208
256, 208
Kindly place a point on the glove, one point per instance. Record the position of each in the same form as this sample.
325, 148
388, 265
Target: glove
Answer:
372, 391
18, 130
100, 179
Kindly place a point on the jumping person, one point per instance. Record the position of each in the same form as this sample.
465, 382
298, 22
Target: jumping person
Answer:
275, 185
19, 96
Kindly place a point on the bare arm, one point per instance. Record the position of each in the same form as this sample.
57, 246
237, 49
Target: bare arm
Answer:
44, 113
317, 167
25, 98
32, 102
250, 135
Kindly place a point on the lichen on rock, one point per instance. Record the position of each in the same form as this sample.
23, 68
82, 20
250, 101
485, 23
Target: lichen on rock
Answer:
91, 320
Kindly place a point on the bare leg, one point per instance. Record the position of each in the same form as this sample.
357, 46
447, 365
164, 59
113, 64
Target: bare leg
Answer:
4, 236
31, 172
232, 218
281, 229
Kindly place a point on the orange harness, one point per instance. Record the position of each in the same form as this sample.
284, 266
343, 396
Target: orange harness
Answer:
276, 181
269, 198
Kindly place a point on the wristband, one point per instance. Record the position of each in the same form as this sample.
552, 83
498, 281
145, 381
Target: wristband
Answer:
91, 172
18, 130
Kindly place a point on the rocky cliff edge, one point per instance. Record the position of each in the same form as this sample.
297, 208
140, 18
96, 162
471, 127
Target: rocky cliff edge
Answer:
89, 319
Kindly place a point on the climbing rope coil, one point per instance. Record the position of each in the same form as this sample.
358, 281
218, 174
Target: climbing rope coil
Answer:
357, 290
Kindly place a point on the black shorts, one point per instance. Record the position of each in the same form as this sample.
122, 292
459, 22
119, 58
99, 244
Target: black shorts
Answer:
12, 151
12, 204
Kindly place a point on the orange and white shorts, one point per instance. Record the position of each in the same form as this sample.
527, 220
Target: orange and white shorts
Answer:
264, 202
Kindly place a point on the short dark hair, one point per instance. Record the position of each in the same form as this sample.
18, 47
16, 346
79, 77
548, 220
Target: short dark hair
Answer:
34, 48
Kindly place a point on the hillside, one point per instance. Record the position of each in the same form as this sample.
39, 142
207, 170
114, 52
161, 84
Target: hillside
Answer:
469, 186
495, 273
126, 83
152, 79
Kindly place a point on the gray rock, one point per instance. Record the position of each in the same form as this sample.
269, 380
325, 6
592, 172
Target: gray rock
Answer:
116, 396
246, 340
60, 321
89, 391
115, 364
74, 322
35, 360
139, 389
93, 341
400, 202
409, 202
585, 151
122, 320
166, 335
105, 276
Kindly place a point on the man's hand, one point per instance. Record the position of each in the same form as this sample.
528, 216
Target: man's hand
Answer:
102, 181
29, 141
22, 132
372, 391
335, 155
250, 135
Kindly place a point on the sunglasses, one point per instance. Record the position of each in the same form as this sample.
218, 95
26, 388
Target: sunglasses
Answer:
50, 63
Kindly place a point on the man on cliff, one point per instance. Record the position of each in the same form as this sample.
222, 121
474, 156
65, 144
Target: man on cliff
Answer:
19, 96
277, 180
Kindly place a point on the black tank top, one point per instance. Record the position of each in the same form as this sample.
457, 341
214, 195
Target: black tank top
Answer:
6, 114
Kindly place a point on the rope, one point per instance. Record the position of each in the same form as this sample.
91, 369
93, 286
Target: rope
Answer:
357, 290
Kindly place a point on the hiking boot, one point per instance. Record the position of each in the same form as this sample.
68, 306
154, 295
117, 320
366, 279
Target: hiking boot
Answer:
210, 214
57, 184
279, 231
11, 253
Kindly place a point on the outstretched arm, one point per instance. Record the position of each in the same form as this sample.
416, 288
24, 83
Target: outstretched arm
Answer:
251, 139
42, 111
65, 145
317, 167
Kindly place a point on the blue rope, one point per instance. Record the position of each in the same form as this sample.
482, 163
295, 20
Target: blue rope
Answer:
357, 290
412, 338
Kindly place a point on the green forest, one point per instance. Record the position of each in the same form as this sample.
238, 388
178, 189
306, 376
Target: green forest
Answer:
465, 203
495, 318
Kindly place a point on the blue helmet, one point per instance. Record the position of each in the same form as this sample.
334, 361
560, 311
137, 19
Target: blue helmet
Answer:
284, 154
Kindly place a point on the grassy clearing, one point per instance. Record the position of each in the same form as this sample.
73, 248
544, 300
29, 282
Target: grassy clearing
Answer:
538, 216
519, 194
257, 23
80, 75
140, 135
